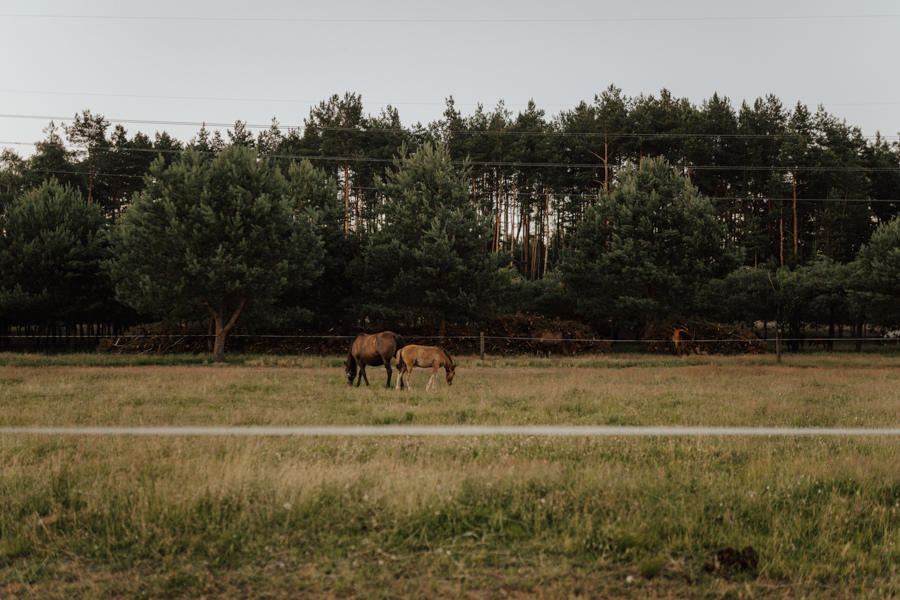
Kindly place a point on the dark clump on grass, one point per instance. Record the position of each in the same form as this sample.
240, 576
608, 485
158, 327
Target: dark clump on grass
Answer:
729, 559
650, 567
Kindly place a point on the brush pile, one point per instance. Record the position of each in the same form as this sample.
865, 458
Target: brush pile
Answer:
508, 335
503, 336
162, 337
708, 338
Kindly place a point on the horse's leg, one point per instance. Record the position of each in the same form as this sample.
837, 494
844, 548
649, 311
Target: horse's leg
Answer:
399, 385
408, 382
387, 365
362, 373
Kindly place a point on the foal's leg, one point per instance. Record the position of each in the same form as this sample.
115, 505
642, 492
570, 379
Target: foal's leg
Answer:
431, 384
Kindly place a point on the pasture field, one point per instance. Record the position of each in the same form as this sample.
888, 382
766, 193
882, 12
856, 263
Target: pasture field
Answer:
449, 517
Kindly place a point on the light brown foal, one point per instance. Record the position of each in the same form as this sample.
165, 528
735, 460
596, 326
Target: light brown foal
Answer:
424, 357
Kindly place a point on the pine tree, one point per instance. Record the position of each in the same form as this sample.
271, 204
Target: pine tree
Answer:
51, 247
213, 236
428, 261
646, 249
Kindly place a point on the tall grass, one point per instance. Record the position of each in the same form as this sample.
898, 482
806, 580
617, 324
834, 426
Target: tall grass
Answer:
448, 517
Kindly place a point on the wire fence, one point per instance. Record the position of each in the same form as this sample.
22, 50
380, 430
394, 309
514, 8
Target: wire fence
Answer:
486, 337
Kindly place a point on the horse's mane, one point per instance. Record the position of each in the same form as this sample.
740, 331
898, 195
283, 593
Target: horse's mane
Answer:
447, 354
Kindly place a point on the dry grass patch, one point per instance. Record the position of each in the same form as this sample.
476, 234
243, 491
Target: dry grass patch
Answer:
680, 393
470, 517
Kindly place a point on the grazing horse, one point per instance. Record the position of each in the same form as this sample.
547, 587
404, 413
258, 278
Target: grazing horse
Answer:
682, 341
373, 350
796, 339
425, 357
545, 339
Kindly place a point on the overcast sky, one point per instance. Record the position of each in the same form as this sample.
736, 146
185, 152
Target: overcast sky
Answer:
192, 61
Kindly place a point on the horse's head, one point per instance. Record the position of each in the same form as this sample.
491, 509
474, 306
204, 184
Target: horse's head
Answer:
451, 371
350, 370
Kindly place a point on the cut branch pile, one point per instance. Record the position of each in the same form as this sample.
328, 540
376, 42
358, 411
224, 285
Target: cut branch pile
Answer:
708, 338
504, 335
163, 337
509, 335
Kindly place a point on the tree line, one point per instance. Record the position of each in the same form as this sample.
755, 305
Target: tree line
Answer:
616, 212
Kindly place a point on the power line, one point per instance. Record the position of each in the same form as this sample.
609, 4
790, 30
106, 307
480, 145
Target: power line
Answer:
501, 132
541, 194
294, 101
775, 169
454, 21
364, 159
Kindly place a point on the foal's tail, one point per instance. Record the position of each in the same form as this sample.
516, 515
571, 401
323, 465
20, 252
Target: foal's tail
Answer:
401, 364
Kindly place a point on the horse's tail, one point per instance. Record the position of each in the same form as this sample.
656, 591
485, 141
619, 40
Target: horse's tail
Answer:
351, 363
398, 341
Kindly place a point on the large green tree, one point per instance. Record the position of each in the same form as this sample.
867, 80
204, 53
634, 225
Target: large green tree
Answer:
220, 236
645, 250
880, 260
51, 245
430, 259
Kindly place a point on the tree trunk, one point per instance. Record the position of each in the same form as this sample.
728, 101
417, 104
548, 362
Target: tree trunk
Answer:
796, 227
499, 212
778, 327
547, 232
210, 341
781, 233
860, 328
223, 330
71, 332
346, 202
831, 326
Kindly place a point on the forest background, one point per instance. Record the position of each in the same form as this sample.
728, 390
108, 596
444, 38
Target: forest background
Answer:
579, 215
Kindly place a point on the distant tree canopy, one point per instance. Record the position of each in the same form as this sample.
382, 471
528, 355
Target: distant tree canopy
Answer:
469, 214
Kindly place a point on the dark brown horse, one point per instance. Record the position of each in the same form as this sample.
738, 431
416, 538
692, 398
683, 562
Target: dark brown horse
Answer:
373, 350
424, 357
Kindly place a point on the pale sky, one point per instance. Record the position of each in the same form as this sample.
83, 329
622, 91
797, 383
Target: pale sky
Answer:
192, 61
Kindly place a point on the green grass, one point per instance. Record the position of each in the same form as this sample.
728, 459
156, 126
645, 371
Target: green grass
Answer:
499, 516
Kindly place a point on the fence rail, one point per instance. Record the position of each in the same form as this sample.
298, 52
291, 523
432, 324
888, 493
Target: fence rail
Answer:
475, 337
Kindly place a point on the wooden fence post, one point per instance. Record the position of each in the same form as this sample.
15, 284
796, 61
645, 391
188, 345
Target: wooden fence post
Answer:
778, 343
482, 345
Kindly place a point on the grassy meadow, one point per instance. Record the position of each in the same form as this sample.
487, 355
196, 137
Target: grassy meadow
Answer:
467, 517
